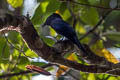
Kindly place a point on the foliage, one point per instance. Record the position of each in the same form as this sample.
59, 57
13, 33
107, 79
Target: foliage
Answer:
15, 3
12, 58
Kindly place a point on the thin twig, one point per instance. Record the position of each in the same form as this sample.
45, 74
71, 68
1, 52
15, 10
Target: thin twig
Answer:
22, 51
9, 42
72, 14
22, 47
69, 73
15, 74
76, 78
90, 5
23, 72
97, 25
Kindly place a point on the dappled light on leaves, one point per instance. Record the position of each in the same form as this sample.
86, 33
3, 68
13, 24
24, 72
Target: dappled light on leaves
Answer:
99, 49
23, 40
15, 3
62, 69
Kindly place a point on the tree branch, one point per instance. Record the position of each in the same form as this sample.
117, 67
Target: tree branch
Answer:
24, 26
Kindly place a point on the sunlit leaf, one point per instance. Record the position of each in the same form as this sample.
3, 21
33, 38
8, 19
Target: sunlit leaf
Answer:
91, 76
63, 68
80, 29
14, 78
103, 52
15, 3
4, 66
49, 40
109, 56
30, 53
44, 9
66, 15
113, 35
52, 32
23, 61
98, 46
113, 78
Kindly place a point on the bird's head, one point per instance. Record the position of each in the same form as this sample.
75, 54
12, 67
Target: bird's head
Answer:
51, 18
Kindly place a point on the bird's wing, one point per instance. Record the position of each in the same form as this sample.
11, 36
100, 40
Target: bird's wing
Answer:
63, 28
66, 30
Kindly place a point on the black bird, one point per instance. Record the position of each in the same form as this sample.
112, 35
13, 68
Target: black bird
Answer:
63, 28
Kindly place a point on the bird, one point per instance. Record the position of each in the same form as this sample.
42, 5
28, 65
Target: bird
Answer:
64, 29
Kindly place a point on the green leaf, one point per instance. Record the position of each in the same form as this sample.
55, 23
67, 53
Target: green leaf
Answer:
113, 78
14, 78
83, 1
4, 51
23, 61
91, 76
38, 63
52, 32
66, 15
30, 53
49, 40
93, 2
4, 66
44, 9
14, 37
15, 3
104, 3
89, 15
15, 53
112, 20
79, 59
113, 36
62, 8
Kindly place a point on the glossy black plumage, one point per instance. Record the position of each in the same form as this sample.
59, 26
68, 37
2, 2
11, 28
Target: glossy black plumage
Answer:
63, 28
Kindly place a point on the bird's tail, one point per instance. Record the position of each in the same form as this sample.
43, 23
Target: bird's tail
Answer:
80, 46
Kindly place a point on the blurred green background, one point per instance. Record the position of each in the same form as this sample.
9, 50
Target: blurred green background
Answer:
15, 55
